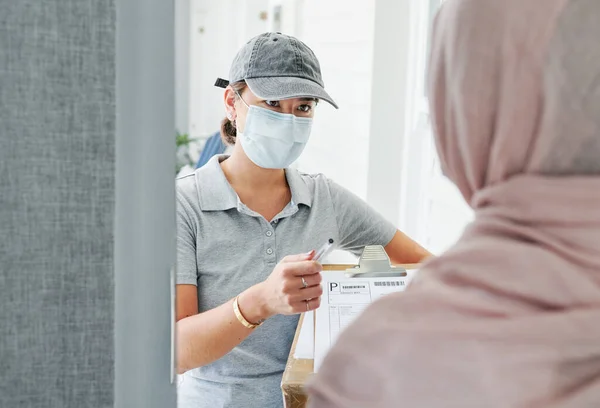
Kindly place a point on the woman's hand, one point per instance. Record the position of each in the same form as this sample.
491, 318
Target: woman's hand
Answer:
218, 330
293, 287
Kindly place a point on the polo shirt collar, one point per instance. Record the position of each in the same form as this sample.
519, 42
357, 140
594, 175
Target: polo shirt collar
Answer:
216, 194
214, 191
300, 192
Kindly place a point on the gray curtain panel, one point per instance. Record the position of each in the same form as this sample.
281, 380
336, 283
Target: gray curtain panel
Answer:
57, 144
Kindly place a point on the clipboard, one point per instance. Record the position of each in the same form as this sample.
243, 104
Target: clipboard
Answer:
375, 263
299, 370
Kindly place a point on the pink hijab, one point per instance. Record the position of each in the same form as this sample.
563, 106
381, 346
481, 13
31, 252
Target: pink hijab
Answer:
510, 316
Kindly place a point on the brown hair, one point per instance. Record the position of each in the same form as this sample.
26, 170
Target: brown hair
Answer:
228, 129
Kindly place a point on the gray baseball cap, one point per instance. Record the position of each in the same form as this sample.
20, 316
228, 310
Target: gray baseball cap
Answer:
277, 66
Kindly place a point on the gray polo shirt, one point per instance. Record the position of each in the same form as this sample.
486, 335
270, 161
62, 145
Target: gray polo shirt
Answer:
224, 248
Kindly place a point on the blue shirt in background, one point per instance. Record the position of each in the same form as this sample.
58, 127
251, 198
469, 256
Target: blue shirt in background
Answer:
214, 146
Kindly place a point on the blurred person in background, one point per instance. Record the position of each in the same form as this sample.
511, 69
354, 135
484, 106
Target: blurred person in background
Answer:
214, 146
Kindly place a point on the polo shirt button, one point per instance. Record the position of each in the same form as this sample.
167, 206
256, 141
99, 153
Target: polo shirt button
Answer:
269, 233
269, 251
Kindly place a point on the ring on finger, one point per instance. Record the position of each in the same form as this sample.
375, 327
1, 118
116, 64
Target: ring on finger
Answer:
308, 305
304, 284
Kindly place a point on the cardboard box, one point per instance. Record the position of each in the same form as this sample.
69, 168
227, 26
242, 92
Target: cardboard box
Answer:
296, 374
298, 371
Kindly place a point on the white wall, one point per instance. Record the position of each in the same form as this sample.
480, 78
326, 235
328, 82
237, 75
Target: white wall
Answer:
391, 105
252, 20
432, 210
182, 65
209, 34
211, 55
341, 35
447, 213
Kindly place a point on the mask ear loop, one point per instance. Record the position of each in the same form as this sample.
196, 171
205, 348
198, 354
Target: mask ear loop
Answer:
242, 99
244, 102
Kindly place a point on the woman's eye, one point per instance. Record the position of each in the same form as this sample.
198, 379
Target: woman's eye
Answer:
272, 104
305, 108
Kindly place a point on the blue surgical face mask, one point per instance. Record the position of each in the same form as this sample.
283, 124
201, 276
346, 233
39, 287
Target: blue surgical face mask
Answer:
273, 140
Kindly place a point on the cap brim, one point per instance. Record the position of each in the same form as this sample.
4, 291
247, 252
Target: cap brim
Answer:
280, 88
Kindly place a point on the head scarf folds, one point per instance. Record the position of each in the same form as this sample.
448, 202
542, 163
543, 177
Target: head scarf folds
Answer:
509, 316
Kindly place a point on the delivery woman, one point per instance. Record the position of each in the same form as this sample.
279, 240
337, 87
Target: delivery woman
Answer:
247, 229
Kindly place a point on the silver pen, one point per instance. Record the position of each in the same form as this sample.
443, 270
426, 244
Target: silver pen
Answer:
324, 250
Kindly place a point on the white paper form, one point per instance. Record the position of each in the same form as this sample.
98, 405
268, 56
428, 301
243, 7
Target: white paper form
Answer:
343, 300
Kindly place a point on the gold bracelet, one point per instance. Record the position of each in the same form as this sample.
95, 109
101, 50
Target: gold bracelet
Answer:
241, 318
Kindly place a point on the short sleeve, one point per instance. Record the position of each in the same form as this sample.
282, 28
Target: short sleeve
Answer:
187, 270
359, 225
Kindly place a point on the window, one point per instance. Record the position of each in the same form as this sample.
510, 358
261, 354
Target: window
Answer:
433, 210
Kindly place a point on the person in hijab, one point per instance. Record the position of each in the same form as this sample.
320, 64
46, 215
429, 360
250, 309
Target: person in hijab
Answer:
510, 316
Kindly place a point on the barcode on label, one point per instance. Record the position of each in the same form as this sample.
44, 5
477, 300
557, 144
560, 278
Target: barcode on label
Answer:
353, 287
392, 283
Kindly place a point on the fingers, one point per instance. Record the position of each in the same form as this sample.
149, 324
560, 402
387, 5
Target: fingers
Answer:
299, 257
301, 307
295, 297
314, 304
311, 280
293, 284
295, 280
305, 294
301, 268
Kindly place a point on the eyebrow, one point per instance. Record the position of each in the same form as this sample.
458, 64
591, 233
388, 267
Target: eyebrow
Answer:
302, 99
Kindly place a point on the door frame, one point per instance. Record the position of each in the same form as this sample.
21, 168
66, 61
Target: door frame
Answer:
144, 241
